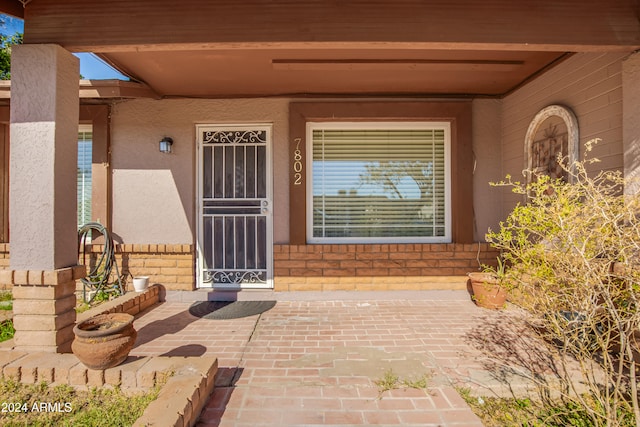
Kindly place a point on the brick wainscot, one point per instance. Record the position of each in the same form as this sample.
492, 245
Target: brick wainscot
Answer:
378, 267
315, 267
169, 265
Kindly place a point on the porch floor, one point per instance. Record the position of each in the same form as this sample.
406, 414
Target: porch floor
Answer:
316, 361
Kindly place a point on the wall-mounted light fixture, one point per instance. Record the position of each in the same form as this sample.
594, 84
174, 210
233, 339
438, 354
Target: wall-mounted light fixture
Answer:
165, 145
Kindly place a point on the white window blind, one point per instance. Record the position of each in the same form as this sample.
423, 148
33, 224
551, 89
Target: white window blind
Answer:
379, 182
85, 142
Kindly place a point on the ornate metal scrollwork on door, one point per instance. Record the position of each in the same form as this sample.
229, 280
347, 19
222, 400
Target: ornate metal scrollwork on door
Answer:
234, 277
234, 137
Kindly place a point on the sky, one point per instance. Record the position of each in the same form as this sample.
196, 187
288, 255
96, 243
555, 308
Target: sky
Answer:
91, 67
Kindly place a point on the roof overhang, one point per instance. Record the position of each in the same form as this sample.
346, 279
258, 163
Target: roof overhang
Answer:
98, 90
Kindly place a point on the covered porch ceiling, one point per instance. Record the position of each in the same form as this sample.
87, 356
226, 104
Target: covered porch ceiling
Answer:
247, 48
349, 71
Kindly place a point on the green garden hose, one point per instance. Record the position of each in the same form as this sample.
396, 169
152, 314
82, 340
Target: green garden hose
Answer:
97, 280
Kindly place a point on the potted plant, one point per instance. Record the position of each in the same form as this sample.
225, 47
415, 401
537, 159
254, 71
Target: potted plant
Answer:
490, 286
105, 340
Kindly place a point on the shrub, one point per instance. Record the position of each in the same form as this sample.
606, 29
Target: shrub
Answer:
572, 249
6, 330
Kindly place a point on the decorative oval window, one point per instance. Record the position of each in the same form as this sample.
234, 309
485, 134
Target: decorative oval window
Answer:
552, 132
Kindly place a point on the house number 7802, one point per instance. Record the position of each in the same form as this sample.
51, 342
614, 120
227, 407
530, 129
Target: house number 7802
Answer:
297, 163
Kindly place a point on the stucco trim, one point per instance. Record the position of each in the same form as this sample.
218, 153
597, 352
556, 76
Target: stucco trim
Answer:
458, 113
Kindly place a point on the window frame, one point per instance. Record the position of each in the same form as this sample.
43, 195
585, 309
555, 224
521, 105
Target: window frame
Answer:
379, 125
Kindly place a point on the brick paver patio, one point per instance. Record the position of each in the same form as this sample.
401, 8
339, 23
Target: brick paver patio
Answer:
306, 363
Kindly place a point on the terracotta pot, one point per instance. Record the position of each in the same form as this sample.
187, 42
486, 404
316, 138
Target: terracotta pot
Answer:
487, 292
104, 341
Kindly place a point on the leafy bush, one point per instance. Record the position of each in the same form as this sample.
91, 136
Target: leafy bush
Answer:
6, 300
6, 330
6, 42
572, 248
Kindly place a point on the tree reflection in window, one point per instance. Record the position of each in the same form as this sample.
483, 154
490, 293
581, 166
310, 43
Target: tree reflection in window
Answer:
390, 177
380, 182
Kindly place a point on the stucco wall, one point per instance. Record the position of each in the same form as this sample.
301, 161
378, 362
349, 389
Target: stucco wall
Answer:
487, 155
588, 83
631, 133
154, 193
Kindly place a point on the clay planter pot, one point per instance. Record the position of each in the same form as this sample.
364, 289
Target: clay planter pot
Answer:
104, 341
487, 292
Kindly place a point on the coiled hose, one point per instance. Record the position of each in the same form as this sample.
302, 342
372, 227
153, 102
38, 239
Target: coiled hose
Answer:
97, 280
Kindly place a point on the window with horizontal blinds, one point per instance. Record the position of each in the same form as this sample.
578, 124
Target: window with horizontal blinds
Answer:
379, 182
83, 180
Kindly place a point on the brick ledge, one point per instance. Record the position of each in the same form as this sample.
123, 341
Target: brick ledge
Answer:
370, 283
144, 248
181, 400
131, 302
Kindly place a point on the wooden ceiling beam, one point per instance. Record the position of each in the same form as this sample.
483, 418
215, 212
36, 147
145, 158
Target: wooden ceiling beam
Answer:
13, 8
542, 25
102, 48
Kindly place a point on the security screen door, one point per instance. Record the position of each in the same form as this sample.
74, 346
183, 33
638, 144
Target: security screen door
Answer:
235, 247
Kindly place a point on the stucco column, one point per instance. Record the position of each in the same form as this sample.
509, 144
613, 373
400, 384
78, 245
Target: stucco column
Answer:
42, 196
631, 120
